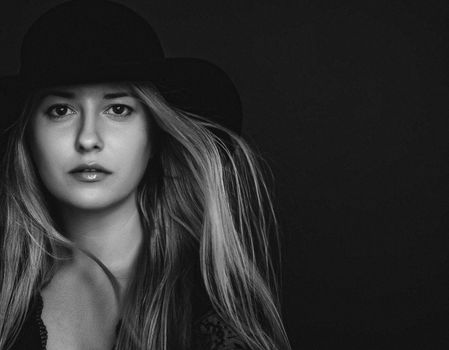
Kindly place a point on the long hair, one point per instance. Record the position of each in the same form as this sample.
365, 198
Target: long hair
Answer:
207, 218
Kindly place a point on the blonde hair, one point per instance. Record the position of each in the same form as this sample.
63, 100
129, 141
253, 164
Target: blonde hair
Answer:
207, 214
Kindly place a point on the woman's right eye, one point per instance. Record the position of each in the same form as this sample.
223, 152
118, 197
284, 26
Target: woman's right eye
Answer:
59, 111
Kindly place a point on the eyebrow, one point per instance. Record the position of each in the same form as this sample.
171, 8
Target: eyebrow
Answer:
68, 94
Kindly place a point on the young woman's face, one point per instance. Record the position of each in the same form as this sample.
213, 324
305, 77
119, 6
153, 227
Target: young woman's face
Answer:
91, 144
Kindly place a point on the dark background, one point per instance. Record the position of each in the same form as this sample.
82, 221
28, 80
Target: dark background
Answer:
347, 101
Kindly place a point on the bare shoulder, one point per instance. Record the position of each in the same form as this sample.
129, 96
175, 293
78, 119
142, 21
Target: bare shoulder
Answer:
74, 315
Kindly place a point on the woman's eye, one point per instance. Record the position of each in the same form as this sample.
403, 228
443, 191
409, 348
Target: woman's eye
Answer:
119, 110
59, 111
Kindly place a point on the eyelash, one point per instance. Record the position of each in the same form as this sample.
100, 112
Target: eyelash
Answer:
53, 107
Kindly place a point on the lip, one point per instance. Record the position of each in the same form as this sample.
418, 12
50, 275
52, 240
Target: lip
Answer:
89, 176
99, 169
99, 172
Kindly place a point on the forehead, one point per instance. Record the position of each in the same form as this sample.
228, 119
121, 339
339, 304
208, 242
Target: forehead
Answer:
99, 90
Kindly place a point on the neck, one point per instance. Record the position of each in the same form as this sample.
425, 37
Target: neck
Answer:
113, 235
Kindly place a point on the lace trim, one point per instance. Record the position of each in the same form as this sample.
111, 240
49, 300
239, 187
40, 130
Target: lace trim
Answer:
214, 334
38, 316
211, 331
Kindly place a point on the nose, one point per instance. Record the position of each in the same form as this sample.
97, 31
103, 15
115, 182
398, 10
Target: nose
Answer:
89, 138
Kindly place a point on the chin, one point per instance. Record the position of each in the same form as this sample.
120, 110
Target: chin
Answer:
90, 205
95, 200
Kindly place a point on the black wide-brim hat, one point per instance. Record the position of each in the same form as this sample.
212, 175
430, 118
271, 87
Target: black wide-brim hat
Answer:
94, 41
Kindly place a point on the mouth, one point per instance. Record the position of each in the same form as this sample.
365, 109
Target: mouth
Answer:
89, 172
89, 168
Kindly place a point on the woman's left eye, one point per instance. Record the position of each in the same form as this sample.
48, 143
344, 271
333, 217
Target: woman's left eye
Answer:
119, 110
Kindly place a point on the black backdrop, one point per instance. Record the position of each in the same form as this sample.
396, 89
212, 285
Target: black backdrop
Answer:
347, 102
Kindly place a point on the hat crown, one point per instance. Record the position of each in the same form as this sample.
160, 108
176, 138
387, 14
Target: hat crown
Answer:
88, 33
93, 41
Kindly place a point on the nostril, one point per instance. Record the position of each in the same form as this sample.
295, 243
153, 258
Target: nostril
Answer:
88, 146
88, 141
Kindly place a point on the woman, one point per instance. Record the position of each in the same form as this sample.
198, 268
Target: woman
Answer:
134, 215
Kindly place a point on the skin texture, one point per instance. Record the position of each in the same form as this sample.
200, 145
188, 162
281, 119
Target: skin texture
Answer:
81, 310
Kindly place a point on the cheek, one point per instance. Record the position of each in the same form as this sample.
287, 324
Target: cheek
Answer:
50, 149
142, 152
45, 149
146, 142
135, 150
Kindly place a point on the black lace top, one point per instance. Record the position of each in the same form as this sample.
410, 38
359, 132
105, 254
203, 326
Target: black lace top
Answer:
210, 332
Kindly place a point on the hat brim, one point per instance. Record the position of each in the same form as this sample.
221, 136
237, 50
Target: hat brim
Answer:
193, 85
